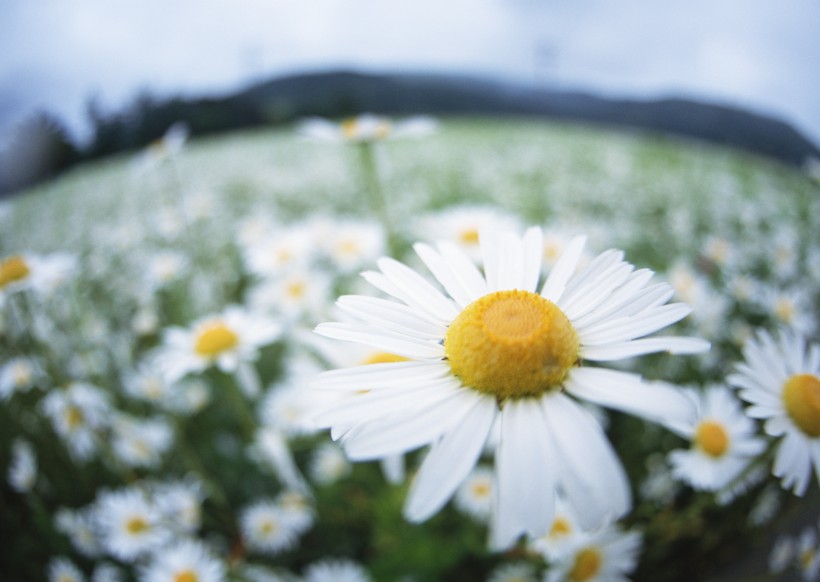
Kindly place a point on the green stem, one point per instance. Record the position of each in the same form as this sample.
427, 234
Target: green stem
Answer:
372, 184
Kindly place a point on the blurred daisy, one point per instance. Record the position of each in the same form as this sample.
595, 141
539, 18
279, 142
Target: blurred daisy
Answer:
224, 340
808, 554
782, 555
723, 442
145, 383
140, 442
792, 307
164, 148
130, 526
80, 528
22, 473
366, 127
497, 351
180, 503
335, 570
266, 529
605, 556
513, 572
270, 448
461, 225
297, 509
300, 293
184, 561
474, 496
78, 413
62, 569
163, 268
284, 249
328, 464
40, 273
562, 533
349, 244
19, 375
106, 572
780, 378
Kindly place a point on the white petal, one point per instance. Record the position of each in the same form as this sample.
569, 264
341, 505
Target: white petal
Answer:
380, 339
392, 315
491, 253
469, 275
450, 461
444, 274
563, 270
654, 401
596, 291
639, 347
397, 435
591, 476
418, 289
533, 254
379, 376
525, 468
626, 328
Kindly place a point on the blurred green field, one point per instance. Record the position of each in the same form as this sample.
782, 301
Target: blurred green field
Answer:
683, 209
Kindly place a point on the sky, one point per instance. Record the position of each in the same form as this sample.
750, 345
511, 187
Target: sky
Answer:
58, 55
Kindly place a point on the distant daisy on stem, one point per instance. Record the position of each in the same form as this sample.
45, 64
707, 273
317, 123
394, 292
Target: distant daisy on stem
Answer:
502, 348
780, 378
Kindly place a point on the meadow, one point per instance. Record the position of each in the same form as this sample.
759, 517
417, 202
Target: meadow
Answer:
126, 457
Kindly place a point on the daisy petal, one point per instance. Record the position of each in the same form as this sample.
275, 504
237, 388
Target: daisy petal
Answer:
461, 265
639, 347
621, 329
402, 318
563, 270
446, 276
418, 289
378, 376
450, 461
377, 338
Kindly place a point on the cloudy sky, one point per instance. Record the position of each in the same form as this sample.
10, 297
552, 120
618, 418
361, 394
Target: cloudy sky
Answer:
56, 55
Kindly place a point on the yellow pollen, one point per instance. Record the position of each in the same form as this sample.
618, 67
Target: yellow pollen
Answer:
560, 527
383, 358
712, 438
13, 269
511, 344
469, 236
136, 525
215, 338
587, 564
186, 576
801, 396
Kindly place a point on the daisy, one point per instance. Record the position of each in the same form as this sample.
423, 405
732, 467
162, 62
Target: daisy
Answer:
78, 413
782, 554
462, 224
266, 529
129, 524
366, 128
19, 375
328, 464
40, 273
180, 503
105, 572
605, 556
474, 496
723, 442
349, 244
335, 570
282, 250
297, 509
140, 442
80, 528
780, 378
224, 340
64, 570
22, 473
808, 554
563, 531
184, 561
513, 572
500, 349
300, 293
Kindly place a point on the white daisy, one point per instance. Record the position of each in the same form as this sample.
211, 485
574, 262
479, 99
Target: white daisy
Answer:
513, 572
366, 128
563, 531
723, 440
78, 413
62, 569
780, 378
19, 375
180, 503
222, 340
461, 225
335, 570
808, 554
350, 244
163, 268
299, 293
140, 442
130, 525
474, 496
782, 554
22, 473
106, 572
80, 527
284, 249
328, 464
498, 351
185, 561
266, 529
297, 509
40, 273
605, 556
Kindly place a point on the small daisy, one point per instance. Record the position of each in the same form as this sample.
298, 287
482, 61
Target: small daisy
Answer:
78, 413
808, 554
300, 293
780, 378
498, 351
461, 225
605, 556
513, 572
474, 496
351, 244
180, 503
284, 249
19, 375
80, 528
146, 383
105, 572
163, 268
366, 128
22, 473
335, 570
129, 524
723, 442
140, 442
328, 464
184, 561
266, 529
40, 273
562, 533
223, 340
164, 148
297, 509
64, 570
782, 555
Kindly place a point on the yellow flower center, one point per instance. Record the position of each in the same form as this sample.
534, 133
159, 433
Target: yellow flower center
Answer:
296, 289
511, 344
712, 438
469, 236
382, 358
801, 396
587, 564
136, 525
13, 269
73, 417
186, 576
267, 528
350, 128
214, 339
560, 527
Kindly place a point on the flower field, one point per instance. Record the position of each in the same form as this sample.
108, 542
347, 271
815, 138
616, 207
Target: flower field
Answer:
209, 371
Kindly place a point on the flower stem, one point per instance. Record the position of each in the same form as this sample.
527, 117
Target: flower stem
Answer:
372, 184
